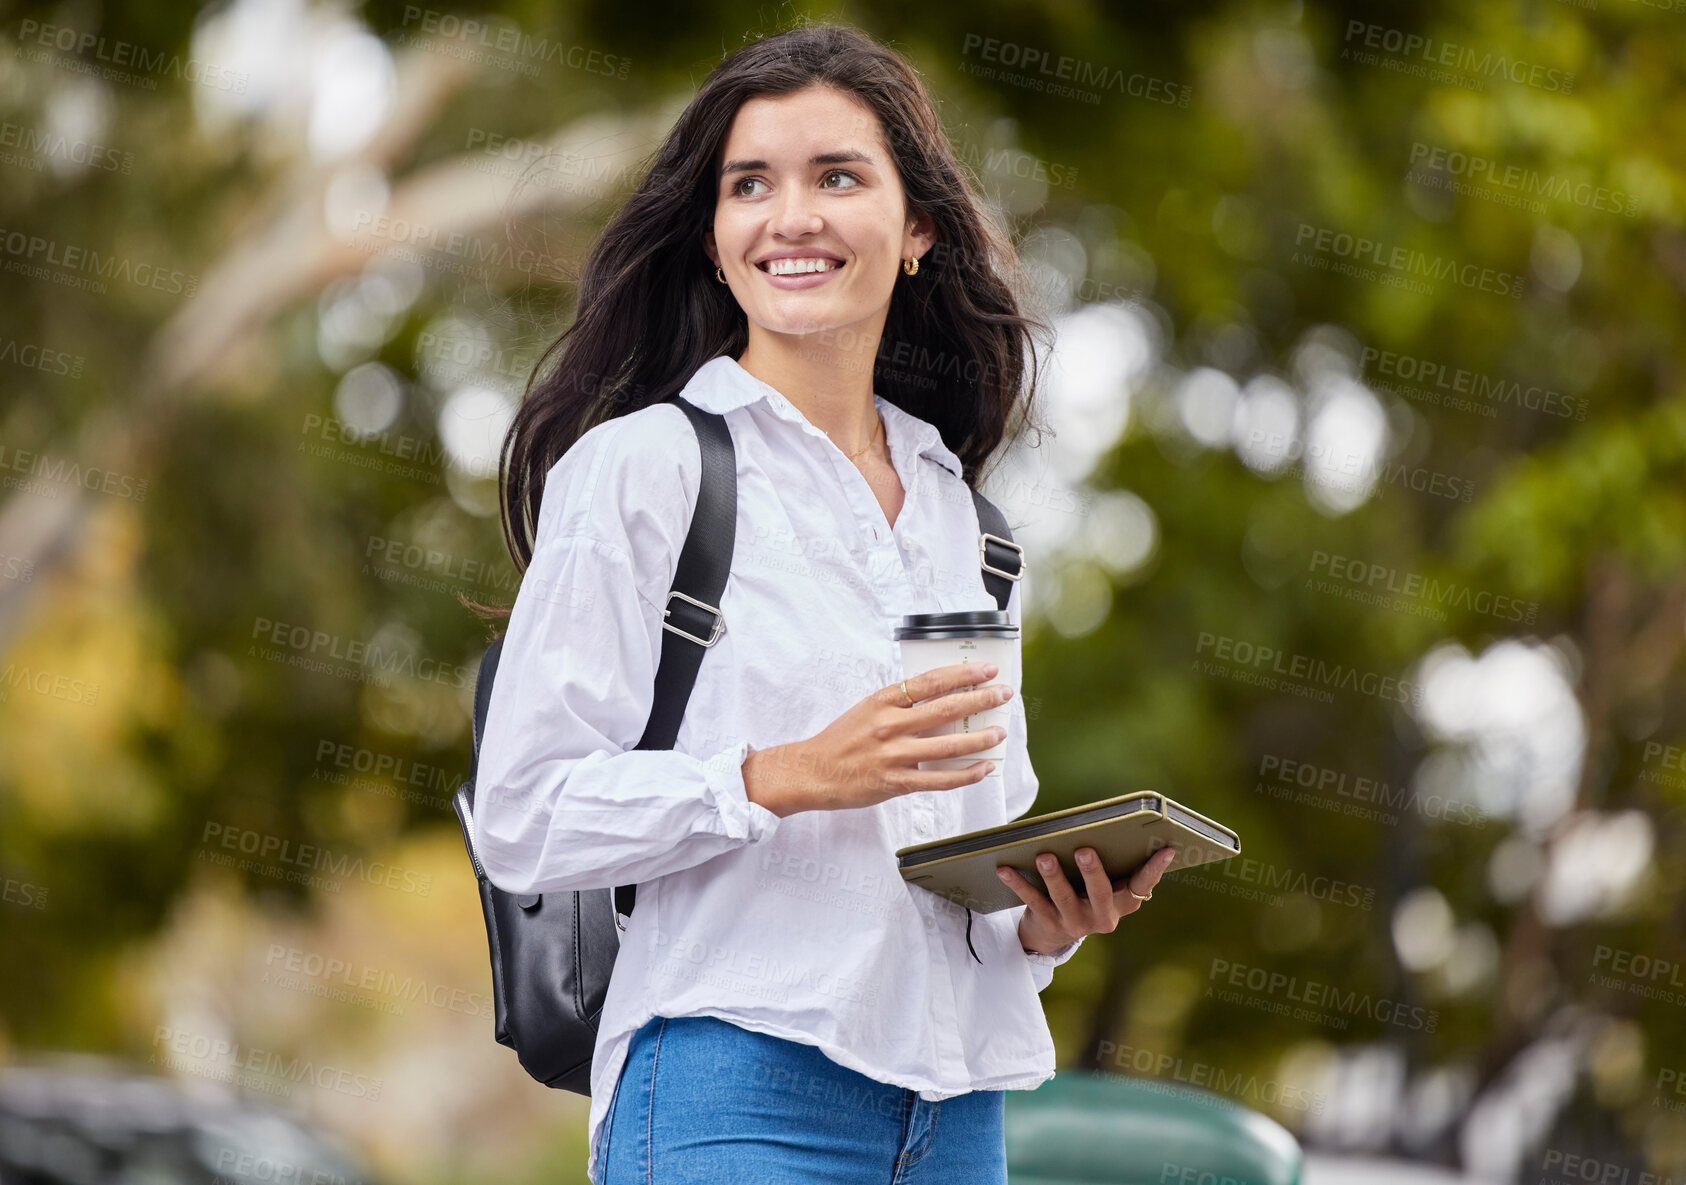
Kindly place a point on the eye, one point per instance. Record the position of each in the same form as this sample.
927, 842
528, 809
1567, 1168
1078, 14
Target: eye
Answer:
737, 187
842, 173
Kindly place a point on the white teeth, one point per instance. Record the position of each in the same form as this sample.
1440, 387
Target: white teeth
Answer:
797, 267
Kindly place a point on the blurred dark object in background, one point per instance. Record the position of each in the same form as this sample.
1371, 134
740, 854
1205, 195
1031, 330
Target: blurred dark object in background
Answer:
92, 1121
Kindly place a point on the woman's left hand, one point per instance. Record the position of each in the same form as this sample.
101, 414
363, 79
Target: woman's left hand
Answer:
1046, 925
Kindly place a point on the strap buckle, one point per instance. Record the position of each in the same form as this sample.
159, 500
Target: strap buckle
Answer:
719, 619
985, 540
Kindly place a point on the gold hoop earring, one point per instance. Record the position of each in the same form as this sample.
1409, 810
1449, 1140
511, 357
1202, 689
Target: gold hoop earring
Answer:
910, 266
719, 275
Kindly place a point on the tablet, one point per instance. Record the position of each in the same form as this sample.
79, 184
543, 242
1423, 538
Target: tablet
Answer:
1125, 831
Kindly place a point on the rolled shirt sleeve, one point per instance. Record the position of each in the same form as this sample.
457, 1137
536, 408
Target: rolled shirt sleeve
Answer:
1042, 966
564, 800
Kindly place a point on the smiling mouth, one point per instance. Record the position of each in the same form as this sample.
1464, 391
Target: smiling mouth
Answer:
798, 267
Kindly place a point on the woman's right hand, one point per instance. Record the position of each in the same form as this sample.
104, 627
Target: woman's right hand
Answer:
871, 753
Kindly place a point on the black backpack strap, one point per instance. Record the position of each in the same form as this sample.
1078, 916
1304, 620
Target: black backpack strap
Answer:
1001, 559
691, 617
1002, 562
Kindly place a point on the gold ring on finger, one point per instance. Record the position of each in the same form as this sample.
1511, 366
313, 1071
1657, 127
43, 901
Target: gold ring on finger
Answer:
1136, 895
905, 692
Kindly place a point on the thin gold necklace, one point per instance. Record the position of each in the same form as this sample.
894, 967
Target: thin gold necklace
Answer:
870, 442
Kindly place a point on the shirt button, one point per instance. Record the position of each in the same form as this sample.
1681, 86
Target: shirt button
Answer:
930, 923
922, 827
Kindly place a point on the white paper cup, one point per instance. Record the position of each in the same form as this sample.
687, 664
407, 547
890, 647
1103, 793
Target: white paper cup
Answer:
930, 640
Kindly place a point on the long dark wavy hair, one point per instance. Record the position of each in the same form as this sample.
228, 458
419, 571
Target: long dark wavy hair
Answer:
650, 311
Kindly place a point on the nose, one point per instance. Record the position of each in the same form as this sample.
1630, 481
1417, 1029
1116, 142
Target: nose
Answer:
795, 213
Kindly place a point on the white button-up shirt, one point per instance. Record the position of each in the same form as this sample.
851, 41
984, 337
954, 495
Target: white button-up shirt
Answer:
800, 927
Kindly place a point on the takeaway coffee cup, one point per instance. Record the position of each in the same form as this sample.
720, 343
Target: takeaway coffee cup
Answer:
931, 640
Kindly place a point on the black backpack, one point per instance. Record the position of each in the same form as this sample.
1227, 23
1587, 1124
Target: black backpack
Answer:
552, 953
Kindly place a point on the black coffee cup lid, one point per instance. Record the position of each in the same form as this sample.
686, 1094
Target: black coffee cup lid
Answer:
959, 624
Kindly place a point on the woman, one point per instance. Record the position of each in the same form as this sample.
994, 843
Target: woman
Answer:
806, 259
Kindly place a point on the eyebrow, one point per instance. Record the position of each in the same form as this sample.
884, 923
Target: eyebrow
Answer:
841, 157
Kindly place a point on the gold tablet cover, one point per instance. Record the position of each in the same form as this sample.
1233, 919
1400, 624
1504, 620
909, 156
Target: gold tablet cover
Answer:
1124, 843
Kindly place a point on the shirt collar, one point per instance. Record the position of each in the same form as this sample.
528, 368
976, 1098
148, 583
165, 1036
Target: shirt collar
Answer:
720, 384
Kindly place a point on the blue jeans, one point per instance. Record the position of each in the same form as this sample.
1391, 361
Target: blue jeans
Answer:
701, 1101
